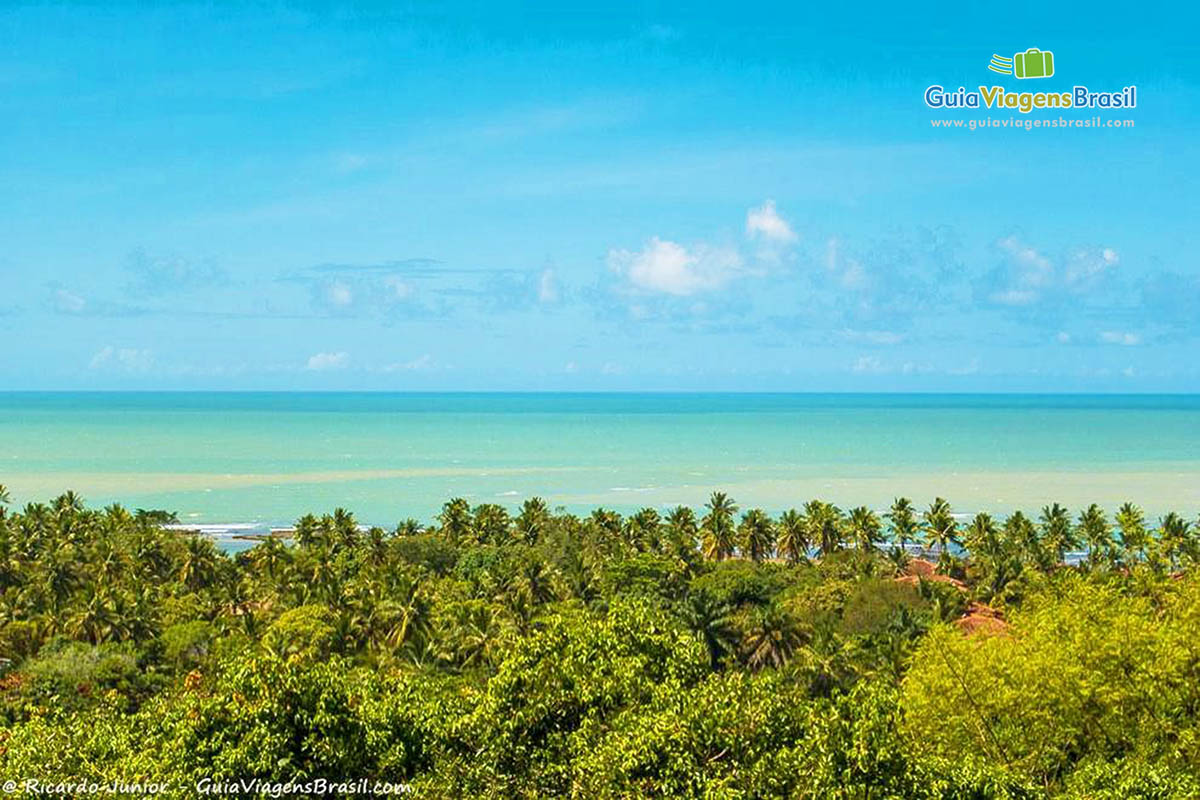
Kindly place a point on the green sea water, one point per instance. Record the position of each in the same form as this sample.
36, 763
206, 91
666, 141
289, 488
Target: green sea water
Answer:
266, 458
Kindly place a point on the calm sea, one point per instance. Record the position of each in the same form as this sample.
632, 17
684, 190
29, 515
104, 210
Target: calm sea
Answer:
266, 458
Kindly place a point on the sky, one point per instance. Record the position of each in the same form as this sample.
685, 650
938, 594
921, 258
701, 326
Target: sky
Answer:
661, 197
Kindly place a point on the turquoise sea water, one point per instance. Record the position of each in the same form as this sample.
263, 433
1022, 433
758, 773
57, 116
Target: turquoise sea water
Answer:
269, 457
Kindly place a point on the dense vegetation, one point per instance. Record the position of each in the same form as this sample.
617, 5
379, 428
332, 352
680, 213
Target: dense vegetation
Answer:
719, 654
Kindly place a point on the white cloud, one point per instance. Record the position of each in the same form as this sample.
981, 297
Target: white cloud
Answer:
419, 363
765, 221
869, 365
68, 302
547, 287
325, 361
1015, 297
349, 162
339, 294
397, 289
125, 359
1123, 338
664, 266
849, 272
872, 337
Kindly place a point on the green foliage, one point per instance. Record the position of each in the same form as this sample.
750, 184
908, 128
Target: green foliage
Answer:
1086, 673
542, 654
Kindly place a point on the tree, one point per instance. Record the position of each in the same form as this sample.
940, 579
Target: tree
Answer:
824, 525
865, 529
941, 531
712, 622
1175, 540
1096, 535
757, 534
533, 520
982, 541
1058, 536
794, 539
455, 520
772, 638
1131, 532
902, 523
718, 533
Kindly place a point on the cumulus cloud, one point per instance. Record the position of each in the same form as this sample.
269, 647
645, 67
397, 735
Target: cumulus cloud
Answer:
422, 362
1027, 276
67, 302
338, 294
123, 359
319, 362
547, 287
163, 274
668, 267
766, 223
1123, 338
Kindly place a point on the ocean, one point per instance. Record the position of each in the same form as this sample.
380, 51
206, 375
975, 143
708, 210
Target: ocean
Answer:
263, 459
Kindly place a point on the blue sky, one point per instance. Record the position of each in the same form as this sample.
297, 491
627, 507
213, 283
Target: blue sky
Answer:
570, 198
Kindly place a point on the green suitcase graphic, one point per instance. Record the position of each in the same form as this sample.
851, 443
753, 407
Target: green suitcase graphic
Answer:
1033, 63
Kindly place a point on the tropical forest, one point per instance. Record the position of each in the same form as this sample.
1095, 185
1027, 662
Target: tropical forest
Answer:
709, 652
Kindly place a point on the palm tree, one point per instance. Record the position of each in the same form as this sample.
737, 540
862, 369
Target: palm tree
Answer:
455, 520
1131, 531
793, 537
902, 523
1021, 537
643, 530
1057, 532
718, 534
682, 529
1174, 538
772, 639
1094, 530
533, 519
941, 531
492, 524
824, 525
5, 499
712, 621
982, 541
865, 529
198, 566
757, 534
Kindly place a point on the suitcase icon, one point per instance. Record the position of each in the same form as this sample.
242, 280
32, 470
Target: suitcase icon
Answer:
1033, 63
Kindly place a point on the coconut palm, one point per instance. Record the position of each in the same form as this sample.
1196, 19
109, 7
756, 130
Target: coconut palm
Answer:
1095, 533
865, 529
682, 529
941, 531
824, 525
1058, 535
712, 622
983, 542
718, 534
757, 534
643, 530
1174, 539
455, 520
1131, 532
5, 499
772, 639
533, 520
794, 541
902, 523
